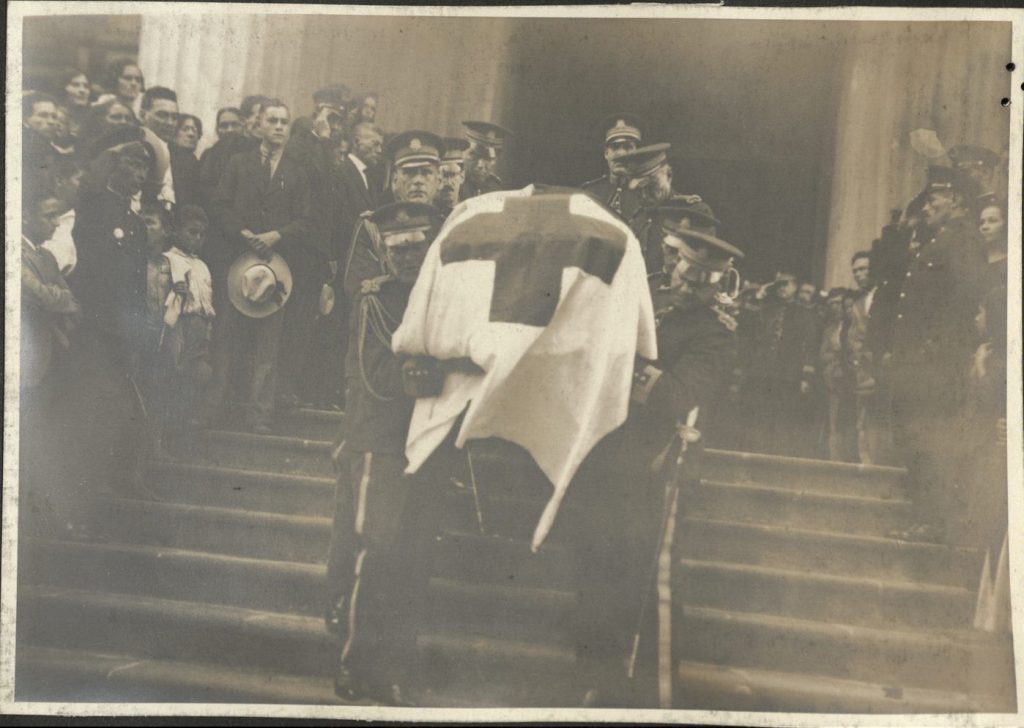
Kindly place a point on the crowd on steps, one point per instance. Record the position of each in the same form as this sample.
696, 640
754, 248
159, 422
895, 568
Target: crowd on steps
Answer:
164, 294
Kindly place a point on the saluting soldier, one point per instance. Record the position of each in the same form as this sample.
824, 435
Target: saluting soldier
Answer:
650, 178
622, 133
977, 167
453, 174
367, 596
486, 142
696, 350
932, 344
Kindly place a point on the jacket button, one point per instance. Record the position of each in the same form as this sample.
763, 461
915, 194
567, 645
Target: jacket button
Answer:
903, 295
899, 315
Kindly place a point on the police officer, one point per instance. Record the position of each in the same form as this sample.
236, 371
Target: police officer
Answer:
453, 174
415, 159
622, 134
367, 597
650, 179
623, 483
932, 344
486, 142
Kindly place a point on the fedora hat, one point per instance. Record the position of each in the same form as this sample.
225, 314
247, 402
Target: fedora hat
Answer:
259, 287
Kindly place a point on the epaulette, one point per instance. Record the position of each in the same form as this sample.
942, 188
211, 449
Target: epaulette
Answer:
725, 319
372, 285
691, 199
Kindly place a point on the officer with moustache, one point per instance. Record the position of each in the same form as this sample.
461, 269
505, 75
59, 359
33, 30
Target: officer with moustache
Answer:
650, 178
370, 596
622, 134
486, 142
453, 174
616, 537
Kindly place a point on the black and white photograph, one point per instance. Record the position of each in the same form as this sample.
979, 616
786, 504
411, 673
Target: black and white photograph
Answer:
600, 363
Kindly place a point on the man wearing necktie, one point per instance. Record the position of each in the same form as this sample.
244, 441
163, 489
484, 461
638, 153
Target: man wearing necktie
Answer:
263, 204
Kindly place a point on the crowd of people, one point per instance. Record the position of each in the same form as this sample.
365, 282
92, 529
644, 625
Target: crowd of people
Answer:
165, 293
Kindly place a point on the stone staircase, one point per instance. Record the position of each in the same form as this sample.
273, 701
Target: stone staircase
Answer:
790, 596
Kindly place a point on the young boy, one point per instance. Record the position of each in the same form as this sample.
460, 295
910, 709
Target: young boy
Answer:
188, 315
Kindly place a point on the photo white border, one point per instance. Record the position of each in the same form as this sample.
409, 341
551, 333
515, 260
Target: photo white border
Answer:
18, 9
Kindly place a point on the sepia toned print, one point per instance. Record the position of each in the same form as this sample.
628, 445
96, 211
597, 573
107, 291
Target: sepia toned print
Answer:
371, 359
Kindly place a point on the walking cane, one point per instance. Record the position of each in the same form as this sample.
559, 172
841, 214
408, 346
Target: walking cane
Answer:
686, 434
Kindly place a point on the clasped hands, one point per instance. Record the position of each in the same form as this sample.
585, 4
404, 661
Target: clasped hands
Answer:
263, 243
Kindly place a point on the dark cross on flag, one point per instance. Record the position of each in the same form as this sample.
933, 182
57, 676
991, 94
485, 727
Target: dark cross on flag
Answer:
531, 242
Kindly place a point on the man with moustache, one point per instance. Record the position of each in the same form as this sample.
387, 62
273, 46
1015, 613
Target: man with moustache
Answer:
453, 174
622, 134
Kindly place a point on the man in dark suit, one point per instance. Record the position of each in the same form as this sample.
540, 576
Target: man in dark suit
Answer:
358, 180
263, 204
622, 134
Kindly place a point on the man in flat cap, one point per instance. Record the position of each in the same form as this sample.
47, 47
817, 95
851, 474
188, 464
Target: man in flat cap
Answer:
696, 352
369, 605
414, 159
650, 178
932, 344
486, 142
977, 167
621, 134
453, 174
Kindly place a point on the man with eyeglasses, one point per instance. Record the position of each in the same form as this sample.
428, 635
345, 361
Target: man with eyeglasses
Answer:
159, 115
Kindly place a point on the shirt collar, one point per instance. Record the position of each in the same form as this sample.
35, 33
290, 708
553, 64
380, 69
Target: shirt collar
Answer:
360, 164
26, 241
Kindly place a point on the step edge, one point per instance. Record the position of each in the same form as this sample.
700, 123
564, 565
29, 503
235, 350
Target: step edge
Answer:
755, 457
238, 514
795, 494
243, 473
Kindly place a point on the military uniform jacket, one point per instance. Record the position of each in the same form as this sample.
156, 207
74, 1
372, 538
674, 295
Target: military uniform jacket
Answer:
696, 353
785, 345
378, 410
939, 298
110, 278
621, 199
364, 257
493, 183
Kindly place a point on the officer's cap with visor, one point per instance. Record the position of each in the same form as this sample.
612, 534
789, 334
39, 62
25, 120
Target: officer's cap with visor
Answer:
622, 127
645, 161
691, 229
454, 151
485, 138
334, 97
969, 155
405, 224
415, 149
942, 178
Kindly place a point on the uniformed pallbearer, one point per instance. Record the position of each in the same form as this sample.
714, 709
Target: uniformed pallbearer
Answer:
621, 134
486, 142
696, 350
650, 178
364, 571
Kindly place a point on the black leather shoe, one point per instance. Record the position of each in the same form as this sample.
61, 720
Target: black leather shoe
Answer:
347, 686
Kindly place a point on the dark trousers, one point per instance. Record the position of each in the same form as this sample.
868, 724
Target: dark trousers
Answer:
235, 336
298, 342
380, 559
929, 434
783, 419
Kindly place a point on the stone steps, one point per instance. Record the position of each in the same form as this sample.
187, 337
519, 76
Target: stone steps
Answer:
45, 673
261, 584
842, 599
166, 629
789, 592
716, 687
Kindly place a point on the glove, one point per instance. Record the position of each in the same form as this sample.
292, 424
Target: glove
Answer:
422, 376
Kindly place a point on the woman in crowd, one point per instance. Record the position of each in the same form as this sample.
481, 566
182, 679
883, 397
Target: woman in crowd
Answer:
184, 164
74, 96
126, 83
102, 119
364, 108
993, 231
